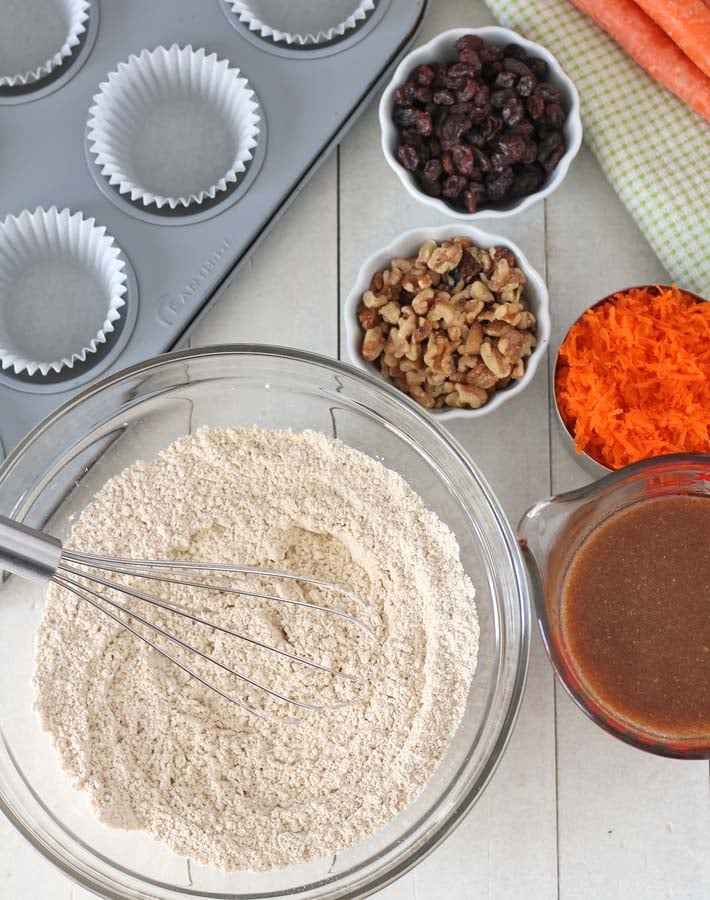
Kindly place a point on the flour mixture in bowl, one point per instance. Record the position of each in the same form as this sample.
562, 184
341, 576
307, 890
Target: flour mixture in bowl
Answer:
159, 752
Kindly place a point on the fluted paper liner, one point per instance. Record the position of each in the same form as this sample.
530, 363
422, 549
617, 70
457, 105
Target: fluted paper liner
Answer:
38, 37
61, 289
173, 127
302, 22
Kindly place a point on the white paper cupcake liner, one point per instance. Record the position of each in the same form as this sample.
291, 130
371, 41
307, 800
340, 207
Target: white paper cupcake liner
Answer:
173, 127
61, 289
37, 36
302, 22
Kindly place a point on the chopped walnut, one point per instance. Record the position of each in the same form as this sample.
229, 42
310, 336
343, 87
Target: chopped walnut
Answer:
373, 344
445, 258
449, 326
368, 318
390, 312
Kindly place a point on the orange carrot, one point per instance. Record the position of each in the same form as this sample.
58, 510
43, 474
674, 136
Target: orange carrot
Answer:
652, 49
687, 22
633, 378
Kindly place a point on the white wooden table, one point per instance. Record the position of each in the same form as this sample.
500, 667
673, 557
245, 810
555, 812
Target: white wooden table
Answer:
571, 814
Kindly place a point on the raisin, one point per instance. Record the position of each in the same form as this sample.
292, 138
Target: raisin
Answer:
405, 116
468, 91
554, 157
530, 153
474, 196
404, 94
490, 54
475, 138
514, 51
526, 128
483, 95
554, 115
505, 80
463, 159
525, 183
454, 128
469, 42
492, 70
526, 85
432, 188
432, 170
434, 147
515, 66
500, 161
483, 162
423, 123
512, 111
537, 66
423, 94
411, 136
548, 93
480, 113
491, 127
447, 161
408, 157
499, 97
535, 106
423, 75
443, 98
461, 71
472, 58
512, 145
453, 186
549, 142
499, 183
463, 109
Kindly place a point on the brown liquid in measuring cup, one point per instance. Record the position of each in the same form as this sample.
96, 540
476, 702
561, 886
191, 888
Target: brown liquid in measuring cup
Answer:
636, 614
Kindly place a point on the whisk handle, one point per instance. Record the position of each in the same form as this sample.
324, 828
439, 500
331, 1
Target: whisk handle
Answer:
27, 552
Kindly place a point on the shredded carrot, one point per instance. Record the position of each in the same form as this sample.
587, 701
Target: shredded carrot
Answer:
633, 378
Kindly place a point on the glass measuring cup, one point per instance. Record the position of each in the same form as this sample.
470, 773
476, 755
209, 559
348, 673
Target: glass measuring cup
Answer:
552, 531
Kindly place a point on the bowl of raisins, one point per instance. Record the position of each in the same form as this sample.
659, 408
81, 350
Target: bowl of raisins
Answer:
480, 122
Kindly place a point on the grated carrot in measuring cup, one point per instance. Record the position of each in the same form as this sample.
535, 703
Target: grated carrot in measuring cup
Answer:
633, 377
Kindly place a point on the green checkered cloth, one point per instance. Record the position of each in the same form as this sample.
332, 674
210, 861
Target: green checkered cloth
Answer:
653, 148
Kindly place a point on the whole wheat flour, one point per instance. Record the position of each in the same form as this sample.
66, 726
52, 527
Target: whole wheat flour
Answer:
158, 751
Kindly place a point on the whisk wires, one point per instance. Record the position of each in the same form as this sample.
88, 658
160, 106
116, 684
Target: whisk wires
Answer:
77, 573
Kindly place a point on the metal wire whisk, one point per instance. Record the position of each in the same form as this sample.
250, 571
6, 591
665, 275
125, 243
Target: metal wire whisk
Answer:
40, 557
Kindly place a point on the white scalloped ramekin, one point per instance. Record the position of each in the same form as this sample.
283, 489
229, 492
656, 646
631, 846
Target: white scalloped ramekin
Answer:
407, 245
441, 49
302, 23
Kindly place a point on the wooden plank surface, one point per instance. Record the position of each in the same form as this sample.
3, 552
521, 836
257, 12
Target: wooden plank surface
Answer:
571, 814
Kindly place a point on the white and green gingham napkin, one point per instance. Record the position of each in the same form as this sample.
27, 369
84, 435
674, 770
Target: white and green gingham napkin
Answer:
654, 149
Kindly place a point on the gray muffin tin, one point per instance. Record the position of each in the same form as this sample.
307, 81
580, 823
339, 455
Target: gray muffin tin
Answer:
179, 262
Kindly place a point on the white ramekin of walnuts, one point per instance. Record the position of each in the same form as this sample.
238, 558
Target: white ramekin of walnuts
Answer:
454, 317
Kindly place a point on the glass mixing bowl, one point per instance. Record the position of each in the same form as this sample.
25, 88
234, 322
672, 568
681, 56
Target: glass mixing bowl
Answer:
59, 467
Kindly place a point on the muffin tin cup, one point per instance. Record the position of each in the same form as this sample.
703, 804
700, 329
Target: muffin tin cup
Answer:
33, 37
173, 127
301, 23
62, 287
